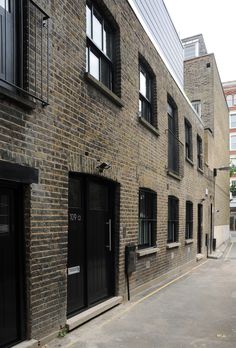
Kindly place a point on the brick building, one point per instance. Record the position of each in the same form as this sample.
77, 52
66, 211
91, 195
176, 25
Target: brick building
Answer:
99, 149
203, 86
230, 94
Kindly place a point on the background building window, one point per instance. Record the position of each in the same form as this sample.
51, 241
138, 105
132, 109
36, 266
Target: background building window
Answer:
189, 220
233, 142
197, 106
199, 153
232, 120
234, 99
145, 94
188, 140
147, 218
99, 46
173, 219
191, 49
229, 100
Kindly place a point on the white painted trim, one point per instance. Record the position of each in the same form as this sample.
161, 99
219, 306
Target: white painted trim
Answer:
162, 55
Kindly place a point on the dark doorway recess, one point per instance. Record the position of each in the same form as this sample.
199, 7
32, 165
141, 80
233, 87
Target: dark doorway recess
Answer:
199, 228
90, 242
12, 304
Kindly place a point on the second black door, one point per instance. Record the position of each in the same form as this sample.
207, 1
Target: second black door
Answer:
90, 243
12, 324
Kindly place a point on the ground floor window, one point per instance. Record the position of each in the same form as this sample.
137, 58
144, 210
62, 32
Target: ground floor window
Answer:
173, 219
147, 218
189, 220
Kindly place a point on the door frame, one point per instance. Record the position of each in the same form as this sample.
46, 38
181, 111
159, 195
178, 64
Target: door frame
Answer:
114, 189
18, 213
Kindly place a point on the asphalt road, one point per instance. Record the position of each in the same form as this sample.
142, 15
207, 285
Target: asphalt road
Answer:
195, 311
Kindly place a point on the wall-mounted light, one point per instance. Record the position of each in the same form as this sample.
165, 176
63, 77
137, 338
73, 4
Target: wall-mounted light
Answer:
103, 166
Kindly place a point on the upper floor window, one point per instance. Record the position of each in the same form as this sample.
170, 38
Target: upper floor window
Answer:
189, 220
188, 140
199, 153
173, 219
232, 120
145, 94
173, 141
147, 218
99, 52
197, 106
229, 99
24, 49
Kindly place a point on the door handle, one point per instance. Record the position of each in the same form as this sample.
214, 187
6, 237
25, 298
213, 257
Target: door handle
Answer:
109, 231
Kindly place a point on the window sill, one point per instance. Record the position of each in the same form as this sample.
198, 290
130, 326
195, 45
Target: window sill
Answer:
200, 170
102, 88
149, 126
189, 241
147, 251
173, 175
172, 245
189, 161
18, 99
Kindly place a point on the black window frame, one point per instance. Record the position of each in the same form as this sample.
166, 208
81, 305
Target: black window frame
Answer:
188, 140
91, 46
173, 220
199, 153
173, 138
29, 53
189, 220
149, 219
146, 103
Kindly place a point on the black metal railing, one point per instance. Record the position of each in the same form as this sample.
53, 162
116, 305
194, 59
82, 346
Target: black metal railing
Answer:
175, 155
25, 69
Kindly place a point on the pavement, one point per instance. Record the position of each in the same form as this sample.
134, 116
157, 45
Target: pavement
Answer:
196, 310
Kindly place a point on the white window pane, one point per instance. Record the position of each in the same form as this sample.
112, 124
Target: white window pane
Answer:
4, 4
233, 121
88, 21
233, 161
142, 84
229, 100
233, 142
97, 32
94, 65
235, 99
107, 43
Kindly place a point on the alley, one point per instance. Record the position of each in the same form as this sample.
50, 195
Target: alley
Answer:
196, 310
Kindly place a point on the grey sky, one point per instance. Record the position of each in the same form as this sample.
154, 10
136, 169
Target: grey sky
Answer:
216, 20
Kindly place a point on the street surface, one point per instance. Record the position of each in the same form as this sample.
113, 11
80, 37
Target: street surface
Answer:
197, 310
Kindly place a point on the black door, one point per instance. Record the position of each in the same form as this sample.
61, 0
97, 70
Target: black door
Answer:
199, 229
90, 243
11, 275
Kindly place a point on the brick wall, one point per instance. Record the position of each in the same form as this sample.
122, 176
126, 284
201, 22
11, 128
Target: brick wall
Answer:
82, 126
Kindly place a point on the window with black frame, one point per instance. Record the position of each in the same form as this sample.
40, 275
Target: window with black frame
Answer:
24, 49
189, 220
199, 153
173, 219
188, 140
173, 141
147, 218
145, 94
99, 51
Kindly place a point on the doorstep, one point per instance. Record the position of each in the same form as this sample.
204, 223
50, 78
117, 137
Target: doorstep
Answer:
81, 318
199, 257
27, 344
